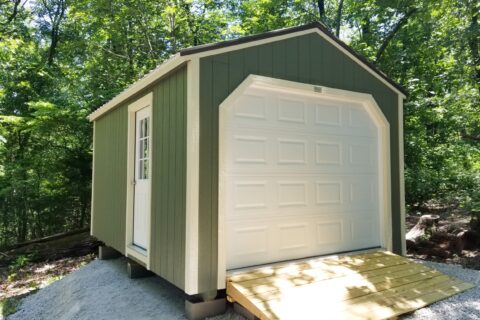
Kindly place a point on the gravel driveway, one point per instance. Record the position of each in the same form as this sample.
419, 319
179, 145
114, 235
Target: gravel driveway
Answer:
102, 290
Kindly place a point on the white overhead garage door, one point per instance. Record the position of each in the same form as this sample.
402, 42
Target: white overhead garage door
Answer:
300, 177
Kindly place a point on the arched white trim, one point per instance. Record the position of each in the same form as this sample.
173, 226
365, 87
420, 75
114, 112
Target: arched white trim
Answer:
367, 100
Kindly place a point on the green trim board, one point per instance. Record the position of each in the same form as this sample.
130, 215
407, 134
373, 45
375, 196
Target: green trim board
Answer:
323, 65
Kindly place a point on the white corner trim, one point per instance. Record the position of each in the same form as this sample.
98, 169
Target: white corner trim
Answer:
192, 176
144, 102
401, 164
168, 65
92, 185
255, 81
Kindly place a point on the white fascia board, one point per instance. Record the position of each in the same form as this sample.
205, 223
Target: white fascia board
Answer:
167, 66
297, 34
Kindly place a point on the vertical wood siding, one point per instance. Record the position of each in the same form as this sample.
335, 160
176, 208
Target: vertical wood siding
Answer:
169, 174
110, 176
168, 177
308, 59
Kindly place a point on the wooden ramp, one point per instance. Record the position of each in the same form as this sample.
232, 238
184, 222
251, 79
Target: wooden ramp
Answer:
375, 285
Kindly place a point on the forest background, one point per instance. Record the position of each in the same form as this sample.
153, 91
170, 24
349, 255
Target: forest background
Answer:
62, 59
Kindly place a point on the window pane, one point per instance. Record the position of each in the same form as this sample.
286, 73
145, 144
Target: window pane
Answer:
147, 121
141, 128
145, 169
141, 150
145, 150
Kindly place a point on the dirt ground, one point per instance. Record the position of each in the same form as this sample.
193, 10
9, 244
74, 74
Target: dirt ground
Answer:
451, 240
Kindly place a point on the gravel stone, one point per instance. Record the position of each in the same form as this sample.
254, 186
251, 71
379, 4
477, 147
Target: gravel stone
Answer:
102, 290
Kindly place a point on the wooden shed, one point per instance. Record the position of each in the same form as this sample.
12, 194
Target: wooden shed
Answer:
267, 148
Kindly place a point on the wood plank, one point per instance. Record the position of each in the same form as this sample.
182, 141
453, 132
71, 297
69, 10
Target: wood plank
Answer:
336, 290
319, 274
368, 309
374, 286
238, 297
409, 301
360, 263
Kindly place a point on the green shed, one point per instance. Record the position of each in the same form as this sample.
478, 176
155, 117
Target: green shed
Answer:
267, 148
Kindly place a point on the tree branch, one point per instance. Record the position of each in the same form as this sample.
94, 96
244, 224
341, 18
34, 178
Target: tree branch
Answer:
471, 137
338, 20
392, 33
13, 15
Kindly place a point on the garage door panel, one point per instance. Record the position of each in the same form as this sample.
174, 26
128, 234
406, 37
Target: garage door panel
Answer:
250, 194
300, 176
285, 238
329, 152
292, 194
301, 194
292, 111
251, 106
250, 149
272, 151
328, 114
291, 151
300, 112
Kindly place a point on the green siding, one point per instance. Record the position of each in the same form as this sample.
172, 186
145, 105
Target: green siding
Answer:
110, 176
168, 176
308, 59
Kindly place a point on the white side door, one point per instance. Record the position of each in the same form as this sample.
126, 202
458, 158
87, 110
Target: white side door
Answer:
142, 193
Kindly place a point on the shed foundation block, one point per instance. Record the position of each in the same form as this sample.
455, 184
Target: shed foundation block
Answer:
107, 253
203, 309
136, 270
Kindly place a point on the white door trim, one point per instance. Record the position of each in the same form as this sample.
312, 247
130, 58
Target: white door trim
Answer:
130, 250
384, 152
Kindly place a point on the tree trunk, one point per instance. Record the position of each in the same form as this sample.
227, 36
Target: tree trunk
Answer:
473, 39
321, 9
424, 227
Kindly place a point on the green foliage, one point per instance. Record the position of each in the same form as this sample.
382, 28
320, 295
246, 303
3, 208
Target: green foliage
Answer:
61, 59
20, 262
9, 306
